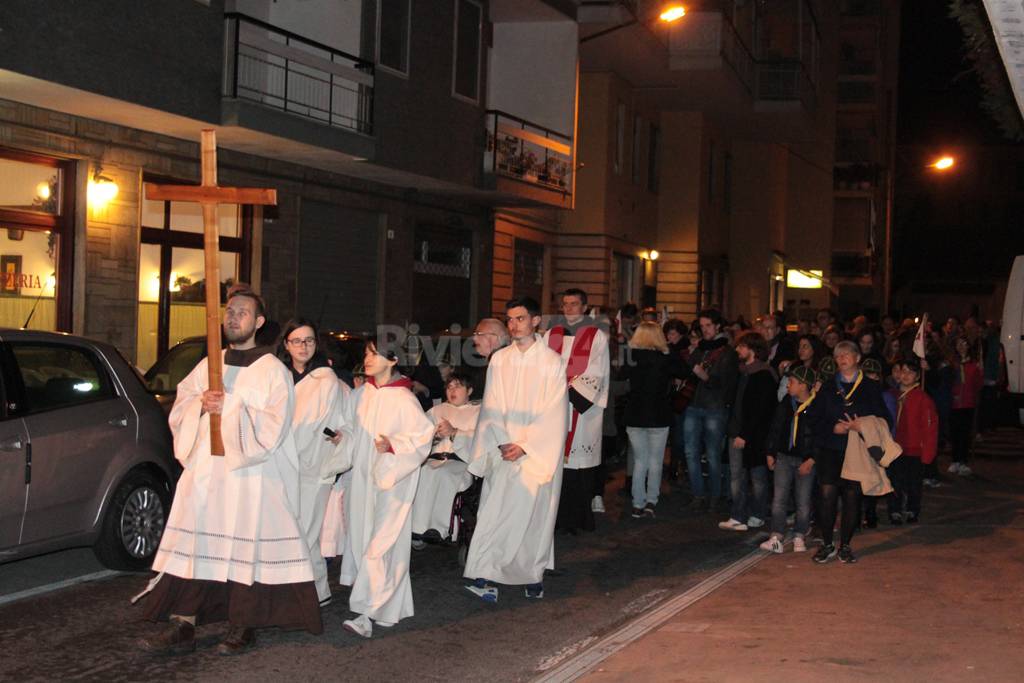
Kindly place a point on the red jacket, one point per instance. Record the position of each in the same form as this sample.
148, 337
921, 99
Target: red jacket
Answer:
917, 427
966, 385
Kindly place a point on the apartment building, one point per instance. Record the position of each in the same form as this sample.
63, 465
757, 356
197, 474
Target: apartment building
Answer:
413, 145
705, 156
865, 156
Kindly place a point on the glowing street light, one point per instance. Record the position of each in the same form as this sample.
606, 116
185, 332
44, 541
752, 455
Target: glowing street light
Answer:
944, 163
673, 13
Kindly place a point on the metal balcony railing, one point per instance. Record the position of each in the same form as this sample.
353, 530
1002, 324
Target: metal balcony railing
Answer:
285, 71
522, 150
785, 80
736, 53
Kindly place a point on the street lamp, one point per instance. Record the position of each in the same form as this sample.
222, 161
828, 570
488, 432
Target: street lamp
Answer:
942, 164
670, 14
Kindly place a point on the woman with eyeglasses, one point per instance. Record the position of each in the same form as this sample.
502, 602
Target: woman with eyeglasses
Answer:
316, 430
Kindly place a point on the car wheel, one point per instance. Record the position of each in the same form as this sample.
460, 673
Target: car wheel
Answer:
134, 522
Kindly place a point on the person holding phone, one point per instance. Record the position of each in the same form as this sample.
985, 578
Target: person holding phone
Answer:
319, 399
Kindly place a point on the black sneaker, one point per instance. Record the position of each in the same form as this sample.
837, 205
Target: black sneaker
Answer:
896, 519
825, 553
846, 555
649, 510
637, 513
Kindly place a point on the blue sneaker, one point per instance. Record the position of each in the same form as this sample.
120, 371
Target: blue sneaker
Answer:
535, 591
484, 589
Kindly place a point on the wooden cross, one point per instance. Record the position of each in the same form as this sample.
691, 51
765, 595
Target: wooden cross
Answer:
208, 195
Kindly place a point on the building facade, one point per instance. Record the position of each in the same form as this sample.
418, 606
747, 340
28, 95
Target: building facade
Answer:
404, 137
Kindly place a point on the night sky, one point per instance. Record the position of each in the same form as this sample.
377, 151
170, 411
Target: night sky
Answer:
960, 227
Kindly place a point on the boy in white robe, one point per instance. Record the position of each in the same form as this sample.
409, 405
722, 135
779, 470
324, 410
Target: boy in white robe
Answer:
319, 397
518, 450
387, 437
444, 473
232, 548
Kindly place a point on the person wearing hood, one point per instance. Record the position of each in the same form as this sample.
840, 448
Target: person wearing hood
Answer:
715, 366
319, 401
748, 434
386, 437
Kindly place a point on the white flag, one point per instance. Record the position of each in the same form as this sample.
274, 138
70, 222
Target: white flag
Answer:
919, 345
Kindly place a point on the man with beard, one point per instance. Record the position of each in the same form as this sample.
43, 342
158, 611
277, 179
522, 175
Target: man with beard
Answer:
716, 369
233, 548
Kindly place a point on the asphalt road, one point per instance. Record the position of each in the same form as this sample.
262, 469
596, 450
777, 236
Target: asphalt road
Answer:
606, 579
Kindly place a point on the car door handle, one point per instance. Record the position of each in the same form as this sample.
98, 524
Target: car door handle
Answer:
12, 444
119, 421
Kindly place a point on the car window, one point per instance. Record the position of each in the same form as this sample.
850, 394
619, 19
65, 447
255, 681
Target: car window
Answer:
167, 372
58, 376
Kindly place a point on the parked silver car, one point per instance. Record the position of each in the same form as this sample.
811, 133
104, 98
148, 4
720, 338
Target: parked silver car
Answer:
85, 451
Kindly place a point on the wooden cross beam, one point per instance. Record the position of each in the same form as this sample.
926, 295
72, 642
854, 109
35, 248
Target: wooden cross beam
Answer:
209, 195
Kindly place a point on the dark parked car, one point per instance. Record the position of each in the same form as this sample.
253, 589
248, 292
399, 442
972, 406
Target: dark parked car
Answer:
85, 452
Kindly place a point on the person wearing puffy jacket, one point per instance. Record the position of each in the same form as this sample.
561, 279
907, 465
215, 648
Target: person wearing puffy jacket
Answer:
917, 432
967, 383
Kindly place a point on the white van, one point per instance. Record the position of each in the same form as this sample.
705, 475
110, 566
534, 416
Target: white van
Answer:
1013, 327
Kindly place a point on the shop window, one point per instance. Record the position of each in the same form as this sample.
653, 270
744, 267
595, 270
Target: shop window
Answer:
172, 279
35, 253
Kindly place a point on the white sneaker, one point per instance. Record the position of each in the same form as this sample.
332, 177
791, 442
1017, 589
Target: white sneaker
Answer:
965, 471
799, 545
773, 545
732, 525
361, 626
755, 522
597, 505
954, 468
932, 483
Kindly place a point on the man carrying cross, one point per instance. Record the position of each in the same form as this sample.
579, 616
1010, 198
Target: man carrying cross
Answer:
232, 548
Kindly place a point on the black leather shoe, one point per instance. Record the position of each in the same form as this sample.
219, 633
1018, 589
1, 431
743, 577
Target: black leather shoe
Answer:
237, 640
179, 637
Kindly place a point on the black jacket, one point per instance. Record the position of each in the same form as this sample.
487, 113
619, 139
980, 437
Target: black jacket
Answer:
650, 376
752, 414
811, 430
718, 392
866, 400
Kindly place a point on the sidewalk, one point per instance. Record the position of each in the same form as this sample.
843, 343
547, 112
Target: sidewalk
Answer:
939, 601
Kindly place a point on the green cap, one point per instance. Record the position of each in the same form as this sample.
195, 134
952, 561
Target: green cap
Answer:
872, 366
804, 374
827, 366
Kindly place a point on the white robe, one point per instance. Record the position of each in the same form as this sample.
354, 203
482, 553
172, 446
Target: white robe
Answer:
319, 403
592, 384
235, 518
524, 403
378, 503
441, 480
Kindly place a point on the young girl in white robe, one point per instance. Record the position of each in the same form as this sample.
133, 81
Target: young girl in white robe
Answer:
319, 400
444, 473
386, 438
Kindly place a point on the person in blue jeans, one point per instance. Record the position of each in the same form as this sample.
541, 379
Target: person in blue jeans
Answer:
715, 368
793, 442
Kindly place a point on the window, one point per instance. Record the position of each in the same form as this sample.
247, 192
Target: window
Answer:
56, 376
528, 273
638, 126
620, 137
172, 273
36, 211
393, 27
175, 366
466, 69
653, 146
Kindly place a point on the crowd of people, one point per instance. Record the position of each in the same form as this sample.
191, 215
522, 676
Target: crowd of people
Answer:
498, 450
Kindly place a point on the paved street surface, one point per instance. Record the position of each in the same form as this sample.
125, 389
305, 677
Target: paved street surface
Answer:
940, 601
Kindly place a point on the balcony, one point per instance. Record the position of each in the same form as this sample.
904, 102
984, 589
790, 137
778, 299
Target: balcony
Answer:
785, 81
708, 40
528, 160
281, 83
